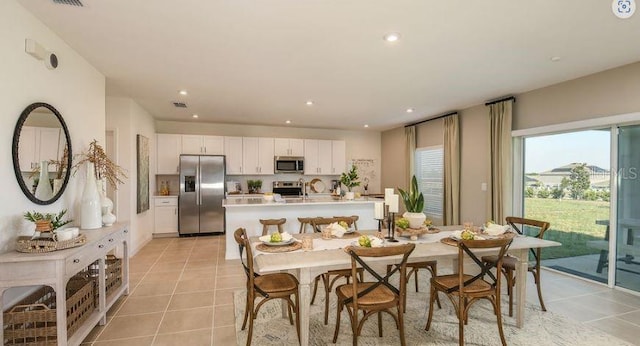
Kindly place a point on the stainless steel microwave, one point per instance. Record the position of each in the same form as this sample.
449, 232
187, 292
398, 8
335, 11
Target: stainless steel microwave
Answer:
288, 164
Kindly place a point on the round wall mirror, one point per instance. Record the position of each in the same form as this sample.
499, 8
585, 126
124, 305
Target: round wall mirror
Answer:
41, 153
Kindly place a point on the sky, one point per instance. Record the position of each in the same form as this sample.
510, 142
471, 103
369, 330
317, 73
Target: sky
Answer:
547, 152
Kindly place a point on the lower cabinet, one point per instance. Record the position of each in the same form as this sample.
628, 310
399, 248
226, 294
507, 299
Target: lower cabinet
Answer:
166, 215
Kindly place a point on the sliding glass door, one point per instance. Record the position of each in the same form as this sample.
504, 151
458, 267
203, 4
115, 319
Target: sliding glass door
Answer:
627, 256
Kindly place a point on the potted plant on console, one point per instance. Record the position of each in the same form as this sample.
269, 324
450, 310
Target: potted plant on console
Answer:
414, 204
350, 180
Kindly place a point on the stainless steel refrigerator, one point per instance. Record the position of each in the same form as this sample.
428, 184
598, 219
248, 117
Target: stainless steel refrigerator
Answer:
201, 193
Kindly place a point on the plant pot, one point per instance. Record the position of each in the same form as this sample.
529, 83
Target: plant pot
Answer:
349, 195
416, 220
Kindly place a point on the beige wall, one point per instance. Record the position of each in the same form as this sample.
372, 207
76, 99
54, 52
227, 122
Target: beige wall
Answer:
128, 119
359, 144
76, 89
603, 94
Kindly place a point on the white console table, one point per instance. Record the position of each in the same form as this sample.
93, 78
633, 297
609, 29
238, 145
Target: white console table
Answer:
56, 268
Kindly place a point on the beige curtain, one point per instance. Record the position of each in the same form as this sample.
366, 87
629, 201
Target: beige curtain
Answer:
451, 170
500, 114
410, 136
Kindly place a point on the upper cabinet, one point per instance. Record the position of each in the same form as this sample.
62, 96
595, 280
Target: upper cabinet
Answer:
233, 151
257, 155
318, 154
338, 157
202, 145
168, 155
288, 147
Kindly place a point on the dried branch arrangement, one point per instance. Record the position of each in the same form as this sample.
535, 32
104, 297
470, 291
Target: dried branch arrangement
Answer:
105, 168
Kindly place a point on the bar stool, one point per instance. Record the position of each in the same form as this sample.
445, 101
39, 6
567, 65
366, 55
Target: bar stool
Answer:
304, 221
272, 222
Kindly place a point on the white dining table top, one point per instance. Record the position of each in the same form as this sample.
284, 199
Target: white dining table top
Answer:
329, 253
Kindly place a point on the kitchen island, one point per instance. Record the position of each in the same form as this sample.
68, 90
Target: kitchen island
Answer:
246, 213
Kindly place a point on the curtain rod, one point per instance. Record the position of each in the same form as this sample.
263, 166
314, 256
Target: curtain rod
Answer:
501, 100
425, 120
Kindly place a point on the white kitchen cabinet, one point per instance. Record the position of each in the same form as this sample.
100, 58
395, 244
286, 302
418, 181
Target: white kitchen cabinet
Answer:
39, 144
338, 157
317, 157
202, 145
168, 153
288, 147
257, 155
233, 152
324, 157
166, 215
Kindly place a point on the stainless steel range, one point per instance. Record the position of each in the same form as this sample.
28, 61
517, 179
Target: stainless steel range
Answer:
288, 188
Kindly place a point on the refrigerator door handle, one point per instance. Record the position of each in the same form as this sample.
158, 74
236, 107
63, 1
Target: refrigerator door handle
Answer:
197, 185
199, 172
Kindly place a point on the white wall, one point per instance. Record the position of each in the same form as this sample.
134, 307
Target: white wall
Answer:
75, 89
359, 144
128, 119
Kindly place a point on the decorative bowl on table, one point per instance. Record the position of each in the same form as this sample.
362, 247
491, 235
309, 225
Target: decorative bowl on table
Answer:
414, 233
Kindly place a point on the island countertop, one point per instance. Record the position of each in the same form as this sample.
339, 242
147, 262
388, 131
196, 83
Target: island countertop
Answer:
246, 212
259, 201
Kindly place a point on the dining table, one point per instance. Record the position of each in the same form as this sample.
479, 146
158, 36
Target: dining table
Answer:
329, 254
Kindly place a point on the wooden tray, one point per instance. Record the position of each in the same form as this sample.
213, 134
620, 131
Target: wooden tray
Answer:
454, 242
26, 244
296, 245
414, 233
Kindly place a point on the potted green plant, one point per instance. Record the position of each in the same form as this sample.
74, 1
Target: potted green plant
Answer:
47, 222
414, 204
254, 185
350, 180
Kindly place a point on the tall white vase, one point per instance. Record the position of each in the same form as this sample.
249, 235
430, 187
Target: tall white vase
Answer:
43, 190
90, 207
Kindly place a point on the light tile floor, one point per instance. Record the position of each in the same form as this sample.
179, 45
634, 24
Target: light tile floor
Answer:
181, 294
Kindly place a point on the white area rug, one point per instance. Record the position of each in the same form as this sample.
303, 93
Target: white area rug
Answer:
541, 328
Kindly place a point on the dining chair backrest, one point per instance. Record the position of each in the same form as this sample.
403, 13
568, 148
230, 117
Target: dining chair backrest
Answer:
321, 222
244, 246
359, 257
539, 227
466, 250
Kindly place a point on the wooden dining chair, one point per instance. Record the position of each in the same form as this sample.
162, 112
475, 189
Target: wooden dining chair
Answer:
330, 277
509, 263
268, 286
272, 222
463, 289
304, 221
374, 297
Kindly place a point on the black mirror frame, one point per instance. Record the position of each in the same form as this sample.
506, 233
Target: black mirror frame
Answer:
16, 161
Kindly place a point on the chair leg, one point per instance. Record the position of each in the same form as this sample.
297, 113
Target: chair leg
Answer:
315, 289
434, 273
401, 327
327, 293
510, 283
536, 275
380, 323
431, 299
250, 333
297, 298
339, 310
290, 313
247, 308
496, 306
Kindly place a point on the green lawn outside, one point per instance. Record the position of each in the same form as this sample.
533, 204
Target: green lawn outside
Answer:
573, 223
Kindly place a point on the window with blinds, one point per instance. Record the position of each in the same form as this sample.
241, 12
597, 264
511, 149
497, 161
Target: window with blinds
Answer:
429, 167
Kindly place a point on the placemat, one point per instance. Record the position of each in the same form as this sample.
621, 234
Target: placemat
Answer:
275, 249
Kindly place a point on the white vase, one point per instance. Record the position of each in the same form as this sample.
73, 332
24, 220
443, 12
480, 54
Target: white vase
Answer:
43, 190
106, 205
416, 220
349, 195
90, 207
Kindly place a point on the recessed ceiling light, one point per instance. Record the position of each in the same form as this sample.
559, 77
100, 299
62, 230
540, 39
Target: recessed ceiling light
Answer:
182, 92
392, 37
195, 116
409, 110
288, 121
555, 58
309, 103
366, 125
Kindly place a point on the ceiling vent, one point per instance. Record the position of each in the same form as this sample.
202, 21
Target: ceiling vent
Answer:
69, 2
180, 104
